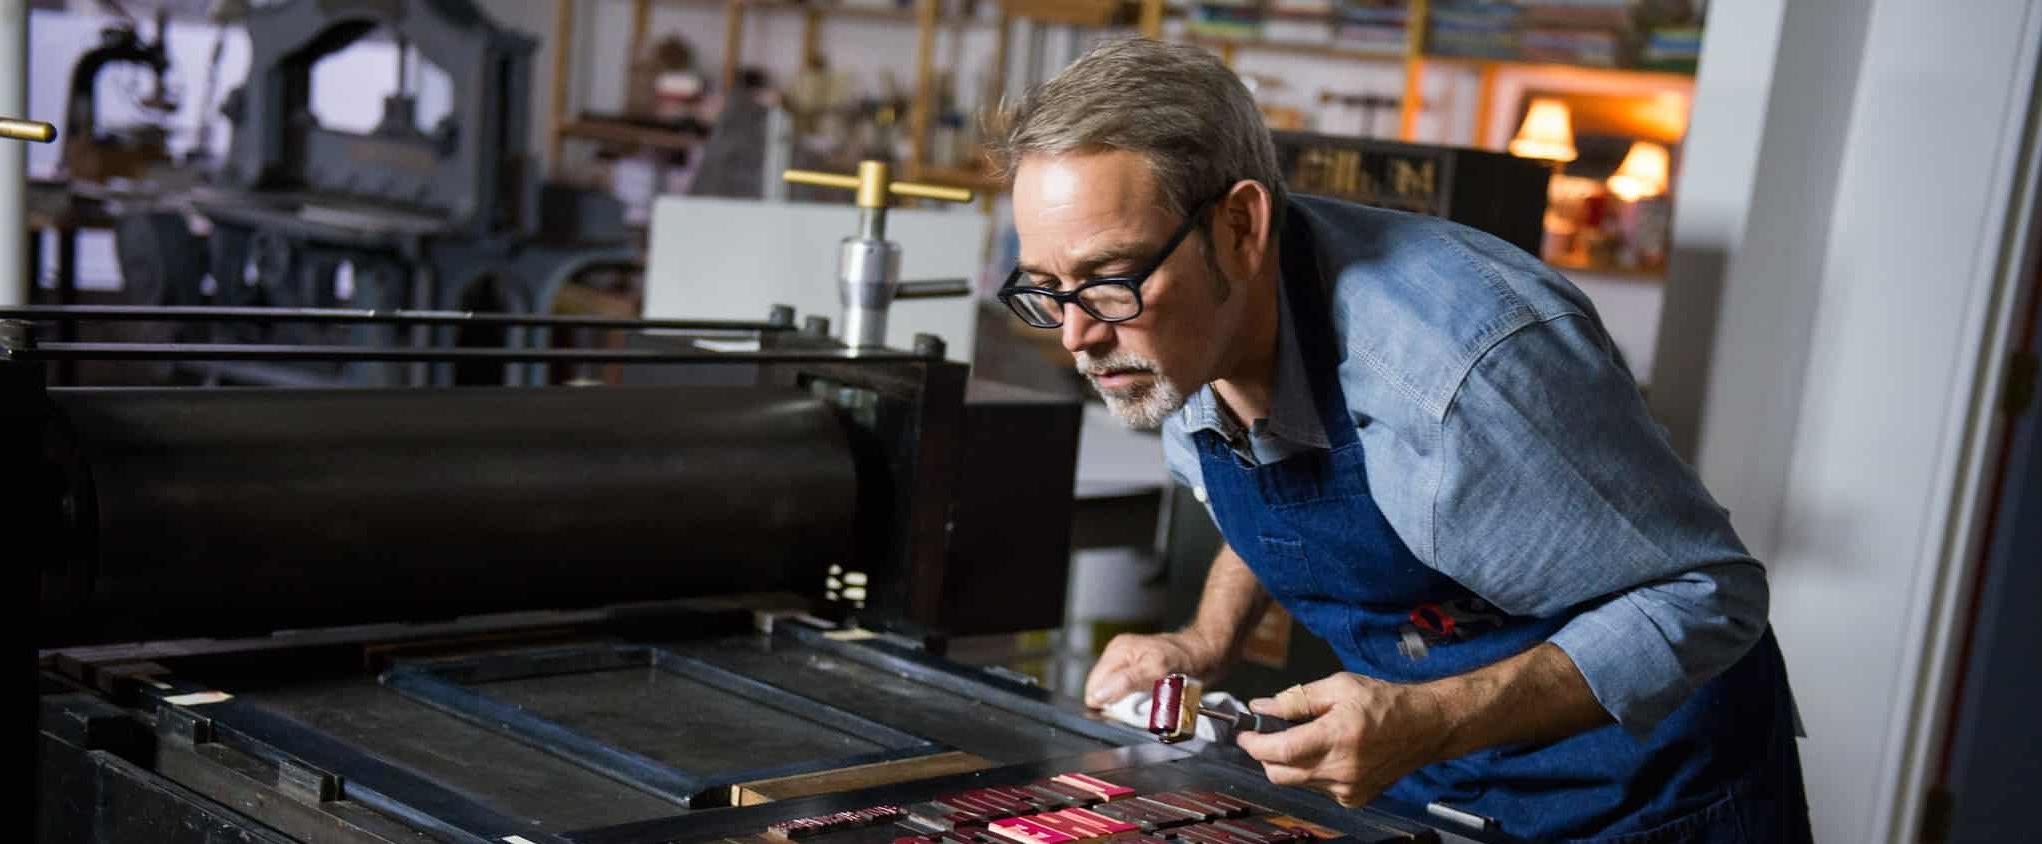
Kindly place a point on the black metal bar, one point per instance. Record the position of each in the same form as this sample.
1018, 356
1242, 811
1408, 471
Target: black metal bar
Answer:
964, 680
139, 313
646, 774
238, 352
935, 288
67, 296
368, 779
538, 662
790, 702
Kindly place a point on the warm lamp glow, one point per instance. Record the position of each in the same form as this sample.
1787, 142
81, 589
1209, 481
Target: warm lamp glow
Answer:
1548, 132
1642, 174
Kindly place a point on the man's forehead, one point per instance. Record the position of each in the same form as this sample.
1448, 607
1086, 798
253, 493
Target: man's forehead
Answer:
1075, 206
1084, 183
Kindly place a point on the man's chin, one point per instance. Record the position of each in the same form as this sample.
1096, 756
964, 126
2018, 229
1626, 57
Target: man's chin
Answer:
1133, 419
1145, 412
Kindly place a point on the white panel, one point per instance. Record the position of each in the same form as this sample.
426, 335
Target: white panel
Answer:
14, 284
735, 259
1843, 381
1719, 166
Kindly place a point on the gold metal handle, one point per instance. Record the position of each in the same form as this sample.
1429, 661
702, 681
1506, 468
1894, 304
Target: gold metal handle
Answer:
27, 130
874, 185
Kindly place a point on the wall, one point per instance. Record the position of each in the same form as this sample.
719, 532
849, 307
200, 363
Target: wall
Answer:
1713, 193
1833, 405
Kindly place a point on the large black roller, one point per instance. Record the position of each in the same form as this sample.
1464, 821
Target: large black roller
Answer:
235, 511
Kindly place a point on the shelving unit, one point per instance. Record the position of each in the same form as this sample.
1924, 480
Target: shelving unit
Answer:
1144, 16
564, 125
1229, 46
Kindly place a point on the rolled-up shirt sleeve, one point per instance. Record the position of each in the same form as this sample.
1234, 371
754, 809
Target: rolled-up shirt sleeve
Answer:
1560, 494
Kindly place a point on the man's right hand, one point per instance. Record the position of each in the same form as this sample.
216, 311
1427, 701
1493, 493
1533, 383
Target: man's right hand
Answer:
1133, 663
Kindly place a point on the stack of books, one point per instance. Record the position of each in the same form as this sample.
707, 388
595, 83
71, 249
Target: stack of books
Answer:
1299, 22
1372, 25
1675, 48
1237, 20
1607, 15
1592, 47
1474, 29
1583, 32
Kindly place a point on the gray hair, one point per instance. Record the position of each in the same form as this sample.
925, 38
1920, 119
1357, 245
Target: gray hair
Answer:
1176, 105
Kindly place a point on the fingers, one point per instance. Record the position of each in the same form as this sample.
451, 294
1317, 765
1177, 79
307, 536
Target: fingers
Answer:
1130, 663
1300, 746
1280, 774
1303, 703
1109, 680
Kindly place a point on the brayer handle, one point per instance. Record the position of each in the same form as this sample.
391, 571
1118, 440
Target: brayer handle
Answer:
1256, 722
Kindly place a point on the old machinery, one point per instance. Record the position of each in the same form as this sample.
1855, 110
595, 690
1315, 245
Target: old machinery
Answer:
697, 608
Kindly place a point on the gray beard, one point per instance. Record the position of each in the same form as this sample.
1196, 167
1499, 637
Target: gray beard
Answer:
1142, 407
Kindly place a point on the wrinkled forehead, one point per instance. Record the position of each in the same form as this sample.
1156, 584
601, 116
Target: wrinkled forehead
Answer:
1064, 204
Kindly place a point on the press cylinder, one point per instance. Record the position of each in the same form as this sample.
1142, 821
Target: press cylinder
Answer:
219, 512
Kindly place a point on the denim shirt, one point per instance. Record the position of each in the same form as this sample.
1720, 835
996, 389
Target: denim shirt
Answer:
1510, 449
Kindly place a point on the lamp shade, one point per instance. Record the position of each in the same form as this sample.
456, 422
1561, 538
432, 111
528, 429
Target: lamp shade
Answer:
1548, 132
1643, 173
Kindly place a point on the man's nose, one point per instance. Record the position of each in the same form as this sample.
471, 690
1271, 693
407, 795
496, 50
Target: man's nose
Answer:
1081, 331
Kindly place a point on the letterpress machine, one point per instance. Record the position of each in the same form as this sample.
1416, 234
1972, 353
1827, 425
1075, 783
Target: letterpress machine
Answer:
452, 215
701, 607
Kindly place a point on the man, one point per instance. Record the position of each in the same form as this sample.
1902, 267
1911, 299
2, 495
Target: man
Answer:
1420, 441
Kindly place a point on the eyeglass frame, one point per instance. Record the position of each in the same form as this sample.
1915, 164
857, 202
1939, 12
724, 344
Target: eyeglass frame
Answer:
1132, 281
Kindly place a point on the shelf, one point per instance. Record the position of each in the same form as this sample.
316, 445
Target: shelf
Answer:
1074, 12
836, 10
825, 9
1299, 48
1479, 63
619, 132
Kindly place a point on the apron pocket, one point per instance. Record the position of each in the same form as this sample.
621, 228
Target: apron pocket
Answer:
1286, 570
1716, 823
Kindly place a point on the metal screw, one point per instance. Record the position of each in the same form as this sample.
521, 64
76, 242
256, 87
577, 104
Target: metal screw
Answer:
816, 326
781, 316
929, 345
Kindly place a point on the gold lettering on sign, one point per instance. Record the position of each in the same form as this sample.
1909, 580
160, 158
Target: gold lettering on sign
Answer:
1312, 169
1411, 181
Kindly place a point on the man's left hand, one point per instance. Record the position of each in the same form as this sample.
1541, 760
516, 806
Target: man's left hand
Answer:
1362, 735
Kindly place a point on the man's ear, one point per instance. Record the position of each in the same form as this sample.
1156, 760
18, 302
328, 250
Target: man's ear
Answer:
1242, 228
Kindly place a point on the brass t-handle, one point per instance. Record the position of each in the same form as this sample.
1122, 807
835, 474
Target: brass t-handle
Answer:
27, 130
873, 184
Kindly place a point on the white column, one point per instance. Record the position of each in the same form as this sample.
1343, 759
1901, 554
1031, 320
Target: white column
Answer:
1843, 405
14, 274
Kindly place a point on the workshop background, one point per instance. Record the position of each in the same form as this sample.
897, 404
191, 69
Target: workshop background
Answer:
1810, 228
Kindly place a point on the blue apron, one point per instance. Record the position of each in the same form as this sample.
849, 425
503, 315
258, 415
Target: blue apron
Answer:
1722, 768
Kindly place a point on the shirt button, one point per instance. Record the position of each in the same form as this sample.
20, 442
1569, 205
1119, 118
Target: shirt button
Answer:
1198, 492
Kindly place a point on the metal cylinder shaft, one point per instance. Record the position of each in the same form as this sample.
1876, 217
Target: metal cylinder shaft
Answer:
868, 275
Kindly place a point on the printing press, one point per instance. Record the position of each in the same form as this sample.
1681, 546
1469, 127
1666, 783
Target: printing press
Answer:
707, 604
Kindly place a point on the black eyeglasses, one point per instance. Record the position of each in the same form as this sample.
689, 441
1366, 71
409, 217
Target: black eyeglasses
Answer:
1110, 299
